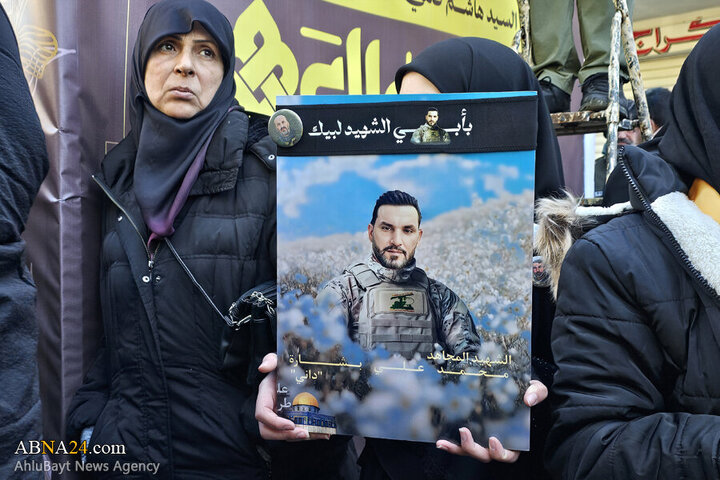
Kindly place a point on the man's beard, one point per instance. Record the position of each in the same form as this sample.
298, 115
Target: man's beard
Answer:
391, 264
287, 136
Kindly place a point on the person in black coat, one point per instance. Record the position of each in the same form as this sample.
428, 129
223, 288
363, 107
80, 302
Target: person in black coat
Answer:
23, 165
198, 172
461, 65
637, 334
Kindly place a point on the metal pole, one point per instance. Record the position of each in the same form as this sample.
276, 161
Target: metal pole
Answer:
521, 40
525, 19
613, 111
633, 64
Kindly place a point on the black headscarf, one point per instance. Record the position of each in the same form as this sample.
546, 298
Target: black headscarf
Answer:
168, 147
462, 65
473, 64
692, 140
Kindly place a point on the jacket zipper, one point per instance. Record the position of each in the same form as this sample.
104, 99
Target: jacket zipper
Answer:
150, 255
661, 225
151, 263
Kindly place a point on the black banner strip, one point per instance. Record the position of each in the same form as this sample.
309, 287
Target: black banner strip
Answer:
481, 125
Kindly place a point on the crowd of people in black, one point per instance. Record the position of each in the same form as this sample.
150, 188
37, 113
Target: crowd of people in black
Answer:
625, 339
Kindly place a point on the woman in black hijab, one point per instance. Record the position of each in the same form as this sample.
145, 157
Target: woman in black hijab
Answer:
198, 171
636, 336
691, 142
461, 65
175, 114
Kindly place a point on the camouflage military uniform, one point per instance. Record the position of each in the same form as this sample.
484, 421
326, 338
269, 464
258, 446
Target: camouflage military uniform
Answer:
402, 309
287, 140
430, 134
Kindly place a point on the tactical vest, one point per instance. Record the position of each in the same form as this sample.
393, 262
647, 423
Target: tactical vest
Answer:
397, 315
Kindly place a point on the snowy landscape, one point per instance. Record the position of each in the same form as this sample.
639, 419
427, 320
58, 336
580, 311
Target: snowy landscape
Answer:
483, 253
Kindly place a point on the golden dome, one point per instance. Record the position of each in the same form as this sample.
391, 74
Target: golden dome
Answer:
305, 398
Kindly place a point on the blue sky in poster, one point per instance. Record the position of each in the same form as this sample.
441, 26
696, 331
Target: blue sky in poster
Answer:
320, 196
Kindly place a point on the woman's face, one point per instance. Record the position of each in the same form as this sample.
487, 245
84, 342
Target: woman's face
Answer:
183, 72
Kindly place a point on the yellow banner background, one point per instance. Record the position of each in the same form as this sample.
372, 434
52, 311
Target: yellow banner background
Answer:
494, 19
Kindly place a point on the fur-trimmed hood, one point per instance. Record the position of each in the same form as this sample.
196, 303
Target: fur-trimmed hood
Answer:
654, 188
560, 222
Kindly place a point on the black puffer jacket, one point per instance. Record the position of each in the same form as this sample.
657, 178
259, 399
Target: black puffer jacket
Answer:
23, 165
637, 339
156, 386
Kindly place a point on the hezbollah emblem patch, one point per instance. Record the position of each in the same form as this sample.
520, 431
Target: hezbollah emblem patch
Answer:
402, 301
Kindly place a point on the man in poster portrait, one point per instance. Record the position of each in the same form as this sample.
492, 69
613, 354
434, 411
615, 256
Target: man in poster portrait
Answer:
286, 135
387, 300
430, 132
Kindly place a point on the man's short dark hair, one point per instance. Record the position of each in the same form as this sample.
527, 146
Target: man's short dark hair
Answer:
432, 109
658, 100
395, 197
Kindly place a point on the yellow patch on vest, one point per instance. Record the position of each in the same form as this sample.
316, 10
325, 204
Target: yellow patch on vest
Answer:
399, 301
402, 301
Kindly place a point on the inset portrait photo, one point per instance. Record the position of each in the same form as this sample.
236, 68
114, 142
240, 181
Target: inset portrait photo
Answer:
430, 131
285, 128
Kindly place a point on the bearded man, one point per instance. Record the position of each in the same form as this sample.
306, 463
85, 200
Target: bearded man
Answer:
430, 132
287, 136
387, 300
